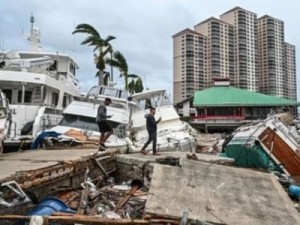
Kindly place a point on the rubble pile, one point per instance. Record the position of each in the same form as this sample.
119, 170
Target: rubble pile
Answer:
123, 201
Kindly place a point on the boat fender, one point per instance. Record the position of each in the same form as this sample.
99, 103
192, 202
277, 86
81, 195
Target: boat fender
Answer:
27, 128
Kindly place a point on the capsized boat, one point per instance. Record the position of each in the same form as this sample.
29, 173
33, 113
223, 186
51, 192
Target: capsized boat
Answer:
270, 145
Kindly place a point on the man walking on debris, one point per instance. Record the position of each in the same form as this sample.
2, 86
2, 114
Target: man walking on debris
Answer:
104, 127
151, 128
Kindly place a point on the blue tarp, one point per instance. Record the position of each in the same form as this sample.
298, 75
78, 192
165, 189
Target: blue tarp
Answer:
42, 136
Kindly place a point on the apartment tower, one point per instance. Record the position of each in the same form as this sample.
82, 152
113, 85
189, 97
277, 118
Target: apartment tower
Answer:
251, 52
188, 63
245, 45
271, 55
289, 80
219, 55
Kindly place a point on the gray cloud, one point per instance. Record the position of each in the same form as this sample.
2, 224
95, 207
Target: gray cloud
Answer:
143, 28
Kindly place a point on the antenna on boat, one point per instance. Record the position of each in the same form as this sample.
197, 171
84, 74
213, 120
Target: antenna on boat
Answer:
34, 36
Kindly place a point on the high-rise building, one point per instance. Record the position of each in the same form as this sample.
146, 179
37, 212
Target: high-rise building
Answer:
245, 45
251, 52
271, 55
289, 80
188, 63
219, 52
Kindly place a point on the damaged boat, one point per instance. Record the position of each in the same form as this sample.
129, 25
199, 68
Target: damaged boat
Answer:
172, 133
128, 120
78, 125
272, 145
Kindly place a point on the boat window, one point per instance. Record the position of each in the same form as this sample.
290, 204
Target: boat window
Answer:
8, 94
27, 97
65, 101
53, 111
54, 98
80, 122
95, 91
72, 69
124, 95
53, 67
109, 92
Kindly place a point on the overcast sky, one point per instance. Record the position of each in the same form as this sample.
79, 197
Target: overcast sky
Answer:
143, 28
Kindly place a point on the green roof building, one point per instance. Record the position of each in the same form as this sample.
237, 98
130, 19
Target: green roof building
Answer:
223, 104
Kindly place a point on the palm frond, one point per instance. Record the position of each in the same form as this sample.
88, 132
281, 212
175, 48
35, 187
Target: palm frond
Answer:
86, 28
109, 38
131, 86
118, 56
132, 76
139, 87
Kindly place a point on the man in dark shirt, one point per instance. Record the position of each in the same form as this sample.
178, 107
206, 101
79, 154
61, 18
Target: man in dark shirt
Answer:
152, 131
104, 127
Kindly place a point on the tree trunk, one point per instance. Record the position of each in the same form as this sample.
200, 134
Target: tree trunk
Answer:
126, 82
111, 68
100, 77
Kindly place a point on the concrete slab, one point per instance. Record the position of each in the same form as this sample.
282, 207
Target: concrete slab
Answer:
36, 159
219, 194
138, 157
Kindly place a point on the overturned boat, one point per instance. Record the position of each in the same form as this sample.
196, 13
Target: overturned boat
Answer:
270, 145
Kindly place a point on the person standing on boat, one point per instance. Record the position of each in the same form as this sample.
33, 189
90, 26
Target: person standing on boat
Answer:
152, 131
104, 127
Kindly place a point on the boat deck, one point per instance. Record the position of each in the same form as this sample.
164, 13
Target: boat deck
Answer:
12, 163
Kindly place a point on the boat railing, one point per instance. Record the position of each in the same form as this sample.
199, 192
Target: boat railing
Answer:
286, 131
49, 121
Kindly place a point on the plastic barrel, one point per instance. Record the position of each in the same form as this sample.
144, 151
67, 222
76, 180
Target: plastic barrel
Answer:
48, 206
294, 190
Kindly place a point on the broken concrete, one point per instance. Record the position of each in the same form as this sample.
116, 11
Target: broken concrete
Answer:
218, 194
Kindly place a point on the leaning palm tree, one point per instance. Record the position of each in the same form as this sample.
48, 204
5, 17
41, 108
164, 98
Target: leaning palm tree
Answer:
118, 61
101, 45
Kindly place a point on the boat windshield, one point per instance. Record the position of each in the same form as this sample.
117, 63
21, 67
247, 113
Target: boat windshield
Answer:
81, 122
154, 101
108, 92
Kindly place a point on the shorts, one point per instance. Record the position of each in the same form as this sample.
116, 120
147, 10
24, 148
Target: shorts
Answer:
104, 126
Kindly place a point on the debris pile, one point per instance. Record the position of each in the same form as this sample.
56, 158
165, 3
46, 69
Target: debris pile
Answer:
126, 200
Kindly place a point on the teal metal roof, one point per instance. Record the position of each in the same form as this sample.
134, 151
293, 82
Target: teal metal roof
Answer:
230, 96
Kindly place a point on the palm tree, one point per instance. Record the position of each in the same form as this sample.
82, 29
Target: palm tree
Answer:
135, 86
102, 45
118, 61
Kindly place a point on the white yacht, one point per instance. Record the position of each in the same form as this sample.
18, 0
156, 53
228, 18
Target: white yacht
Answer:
5, 116
81, 114
172, 133
38, 86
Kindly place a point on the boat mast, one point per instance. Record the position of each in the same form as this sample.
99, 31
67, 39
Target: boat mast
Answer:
34, 37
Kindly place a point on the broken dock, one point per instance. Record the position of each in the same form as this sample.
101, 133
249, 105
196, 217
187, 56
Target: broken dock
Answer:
203, 189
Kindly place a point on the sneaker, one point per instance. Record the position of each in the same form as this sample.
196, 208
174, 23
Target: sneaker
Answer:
143, 152
156, 153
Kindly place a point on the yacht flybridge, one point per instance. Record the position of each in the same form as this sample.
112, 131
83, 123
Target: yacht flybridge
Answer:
38, 86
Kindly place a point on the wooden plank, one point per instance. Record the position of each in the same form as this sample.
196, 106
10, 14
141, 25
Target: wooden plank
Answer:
218, 194
89, 220
125, 199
